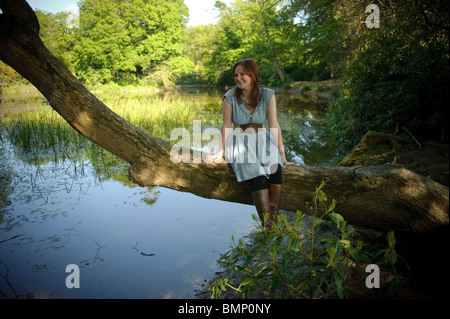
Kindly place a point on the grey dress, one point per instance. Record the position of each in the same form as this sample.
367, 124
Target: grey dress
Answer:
252, 154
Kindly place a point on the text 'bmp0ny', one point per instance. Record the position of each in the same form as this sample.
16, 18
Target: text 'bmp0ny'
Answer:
226, 308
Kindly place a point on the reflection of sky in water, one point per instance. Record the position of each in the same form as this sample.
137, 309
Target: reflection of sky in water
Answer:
110, 232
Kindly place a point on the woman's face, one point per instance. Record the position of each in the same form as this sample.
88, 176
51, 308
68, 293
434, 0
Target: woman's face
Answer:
243, 81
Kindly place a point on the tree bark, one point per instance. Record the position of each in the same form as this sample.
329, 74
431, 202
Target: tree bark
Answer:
382, 197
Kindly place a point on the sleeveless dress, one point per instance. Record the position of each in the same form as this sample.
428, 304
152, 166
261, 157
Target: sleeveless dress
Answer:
251, 153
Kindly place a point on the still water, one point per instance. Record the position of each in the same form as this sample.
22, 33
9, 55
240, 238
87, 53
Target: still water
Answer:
128, 241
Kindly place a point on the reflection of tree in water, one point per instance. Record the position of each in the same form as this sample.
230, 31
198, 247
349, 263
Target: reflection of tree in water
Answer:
305, 140
12, 293
93, 260
5, 190
151, 195
36, 187
6, 185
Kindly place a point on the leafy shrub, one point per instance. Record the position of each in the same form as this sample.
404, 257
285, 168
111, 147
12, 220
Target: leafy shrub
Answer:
299, 258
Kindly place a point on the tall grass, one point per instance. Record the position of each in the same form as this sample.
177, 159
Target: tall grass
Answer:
42, 128
47, 136
160, 114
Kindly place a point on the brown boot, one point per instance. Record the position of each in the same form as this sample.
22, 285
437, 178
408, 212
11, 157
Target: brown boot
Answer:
275, 192
261, 201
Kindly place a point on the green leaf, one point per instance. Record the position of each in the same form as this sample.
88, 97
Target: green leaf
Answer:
391, 256
260, 271
339, 280
337, 219
285, 242
346, 243
246, 280
332, 206
321, 196
287, 271
274, 283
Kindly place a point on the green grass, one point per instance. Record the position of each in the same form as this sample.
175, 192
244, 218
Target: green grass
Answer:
45, 135
160, 114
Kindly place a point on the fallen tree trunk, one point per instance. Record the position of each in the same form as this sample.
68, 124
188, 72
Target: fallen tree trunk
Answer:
382, 197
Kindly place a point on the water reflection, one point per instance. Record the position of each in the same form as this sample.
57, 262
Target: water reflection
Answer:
72, 203
125, 248
305, 139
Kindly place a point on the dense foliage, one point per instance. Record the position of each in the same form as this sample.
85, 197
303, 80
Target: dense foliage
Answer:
396, 80
395, 75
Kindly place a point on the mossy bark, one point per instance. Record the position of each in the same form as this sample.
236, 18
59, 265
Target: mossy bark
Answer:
383, 197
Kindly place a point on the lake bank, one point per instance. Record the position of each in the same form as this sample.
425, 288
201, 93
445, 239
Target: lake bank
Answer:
325, 89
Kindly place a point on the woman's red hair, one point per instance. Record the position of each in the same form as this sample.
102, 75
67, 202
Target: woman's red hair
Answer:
251, 69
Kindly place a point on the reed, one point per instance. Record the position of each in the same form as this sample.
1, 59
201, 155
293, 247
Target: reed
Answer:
160, 114
45, 136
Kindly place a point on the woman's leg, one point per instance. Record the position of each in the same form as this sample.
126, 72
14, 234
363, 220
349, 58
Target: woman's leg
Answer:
267, 195
275, 187
260, 196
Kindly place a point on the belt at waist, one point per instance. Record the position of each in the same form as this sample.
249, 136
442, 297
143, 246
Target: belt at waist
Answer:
249, 125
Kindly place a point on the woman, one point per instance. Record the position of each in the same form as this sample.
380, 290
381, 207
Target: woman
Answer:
255, 154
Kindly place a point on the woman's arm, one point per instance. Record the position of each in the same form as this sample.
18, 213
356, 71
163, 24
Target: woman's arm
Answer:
226, 129
273, 124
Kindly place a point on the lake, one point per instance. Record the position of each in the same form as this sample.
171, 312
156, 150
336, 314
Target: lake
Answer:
64, 201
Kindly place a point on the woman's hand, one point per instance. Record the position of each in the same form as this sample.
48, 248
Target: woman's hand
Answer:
217, 157
284, 162
288, 164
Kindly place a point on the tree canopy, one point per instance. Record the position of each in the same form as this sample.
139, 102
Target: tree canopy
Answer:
122, 40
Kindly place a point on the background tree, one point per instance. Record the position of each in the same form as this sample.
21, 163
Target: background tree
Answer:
58, 36
199, 45
396, 79
122, 40
316, 39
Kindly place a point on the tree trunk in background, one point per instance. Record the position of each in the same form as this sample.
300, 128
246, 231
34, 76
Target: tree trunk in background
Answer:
383, 197
270, 44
